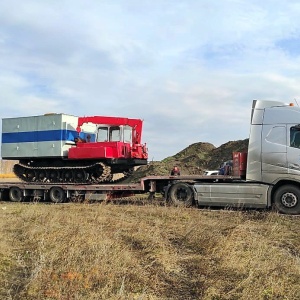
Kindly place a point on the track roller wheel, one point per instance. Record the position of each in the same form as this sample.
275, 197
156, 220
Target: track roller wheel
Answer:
99, 173
57, 194
53, 176
67, 175
29, 175
80, 175
99, 169
15, 194
41, 175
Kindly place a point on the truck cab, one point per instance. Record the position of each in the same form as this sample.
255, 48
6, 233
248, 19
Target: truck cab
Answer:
272, 175
274, 153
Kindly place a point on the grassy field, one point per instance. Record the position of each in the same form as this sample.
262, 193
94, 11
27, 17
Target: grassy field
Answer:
109, 251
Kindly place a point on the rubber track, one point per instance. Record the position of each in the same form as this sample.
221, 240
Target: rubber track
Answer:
19, 170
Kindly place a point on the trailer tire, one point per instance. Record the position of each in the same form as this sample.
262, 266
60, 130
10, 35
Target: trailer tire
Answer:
57, 194
181, 194
15, 194
287, 199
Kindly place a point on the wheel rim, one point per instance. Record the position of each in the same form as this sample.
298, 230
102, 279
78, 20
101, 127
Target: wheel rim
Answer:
181, 194
289, 200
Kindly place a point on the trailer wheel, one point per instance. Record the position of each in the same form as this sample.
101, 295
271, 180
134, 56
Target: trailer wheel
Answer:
287, 199
181, 194
57, 194
15, 194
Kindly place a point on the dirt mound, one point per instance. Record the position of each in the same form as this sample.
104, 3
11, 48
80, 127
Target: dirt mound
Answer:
194, 159
224, 152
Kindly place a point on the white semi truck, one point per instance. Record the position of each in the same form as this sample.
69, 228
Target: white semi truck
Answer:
270, 176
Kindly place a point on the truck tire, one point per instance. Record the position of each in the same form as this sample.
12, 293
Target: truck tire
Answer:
57, 194
287, 199
15, 194
181, 194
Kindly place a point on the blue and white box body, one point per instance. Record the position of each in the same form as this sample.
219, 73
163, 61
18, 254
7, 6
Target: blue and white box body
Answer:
38, 136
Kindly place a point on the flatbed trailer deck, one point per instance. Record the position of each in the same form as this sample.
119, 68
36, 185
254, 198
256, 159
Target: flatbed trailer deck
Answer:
18, 191
186, 190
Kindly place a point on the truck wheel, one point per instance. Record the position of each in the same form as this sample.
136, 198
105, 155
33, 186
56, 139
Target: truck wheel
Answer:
181, 194
15, 194
57, 194
287, 199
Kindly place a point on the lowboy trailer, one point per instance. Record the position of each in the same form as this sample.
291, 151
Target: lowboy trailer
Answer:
179, 190
185, 191
267, 175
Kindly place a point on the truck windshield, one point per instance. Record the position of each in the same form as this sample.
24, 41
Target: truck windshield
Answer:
109, 134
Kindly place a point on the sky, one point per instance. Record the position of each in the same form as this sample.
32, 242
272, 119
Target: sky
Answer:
189, 68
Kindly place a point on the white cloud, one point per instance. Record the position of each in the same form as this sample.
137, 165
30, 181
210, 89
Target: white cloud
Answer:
189, 68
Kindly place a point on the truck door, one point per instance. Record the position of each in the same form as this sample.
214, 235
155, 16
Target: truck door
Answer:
274, 152
127, 140
293, 152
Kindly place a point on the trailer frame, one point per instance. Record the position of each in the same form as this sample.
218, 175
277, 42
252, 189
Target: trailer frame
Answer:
18, 191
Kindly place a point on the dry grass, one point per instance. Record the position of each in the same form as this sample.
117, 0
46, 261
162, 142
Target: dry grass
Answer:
96, 251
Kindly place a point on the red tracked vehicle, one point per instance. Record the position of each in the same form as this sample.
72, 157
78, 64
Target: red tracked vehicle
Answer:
116, 148
62, 148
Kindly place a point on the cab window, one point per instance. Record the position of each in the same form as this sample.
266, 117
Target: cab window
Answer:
295, 136
114, 134
127, 134
102, 134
